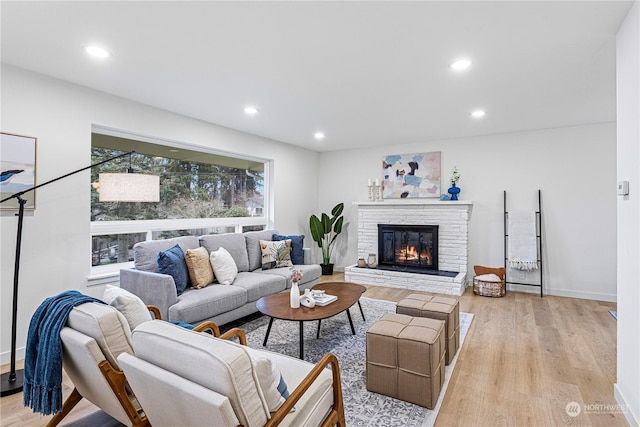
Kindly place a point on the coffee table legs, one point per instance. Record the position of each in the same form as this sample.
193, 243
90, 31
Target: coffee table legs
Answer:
266, 337
301, 340
361, 311
353, 330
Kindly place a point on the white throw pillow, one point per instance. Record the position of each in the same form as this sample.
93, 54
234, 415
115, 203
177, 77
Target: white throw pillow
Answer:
489, 278
130, 305
270, 379
224, 267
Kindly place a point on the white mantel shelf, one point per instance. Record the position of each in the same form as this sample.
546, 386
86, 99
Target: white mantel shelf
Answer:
413, 202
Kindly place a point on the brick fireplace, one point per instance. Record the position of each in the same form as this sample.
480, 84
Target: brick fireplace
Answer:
451, 219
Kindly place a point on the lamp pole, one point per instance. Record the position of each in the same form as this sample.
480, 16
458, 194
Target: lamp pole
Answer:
13, 380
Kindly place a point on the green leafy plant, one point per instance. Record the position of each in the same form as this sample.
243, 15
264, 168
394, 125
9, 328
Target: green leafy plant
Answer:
324, 231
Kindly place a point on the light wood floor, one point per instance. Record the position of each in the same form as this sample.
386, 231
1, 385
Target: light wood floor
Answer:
524, 359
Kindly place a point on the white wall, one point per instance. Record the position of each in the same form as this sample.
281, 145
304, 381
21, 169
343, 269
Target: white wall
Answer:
627, 388
56, 244
574, 167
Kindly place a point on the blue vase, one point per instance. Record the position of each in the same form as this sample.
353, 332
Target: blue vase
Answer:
453, 191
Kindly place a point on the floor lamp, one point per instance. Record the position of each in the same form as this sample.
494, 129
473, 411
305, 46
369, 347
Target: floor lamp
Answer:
114, 187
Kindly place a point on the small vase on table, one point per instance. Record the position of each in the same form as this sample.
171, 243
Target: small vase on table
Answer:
295, 295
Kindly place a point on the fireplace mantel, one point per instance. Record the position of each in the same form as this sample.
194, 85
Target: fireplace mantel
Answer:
411, 202
452, 217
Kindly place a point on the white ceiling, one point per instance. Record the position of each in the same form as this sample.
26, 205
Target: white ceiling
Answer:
365, 73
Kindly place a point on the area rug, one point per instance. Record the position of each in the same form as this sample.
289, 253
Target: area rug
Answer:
362, 408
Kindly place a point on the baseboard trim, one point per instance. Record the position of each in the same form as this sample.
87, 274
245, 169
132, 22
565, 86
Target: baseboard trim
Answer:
5, 357
565, 293
626, 409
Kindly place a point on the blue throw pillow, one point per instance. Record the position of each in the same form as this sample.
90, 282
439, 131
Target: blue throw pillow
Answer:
297, 243
282, 388
172, 262
188, 326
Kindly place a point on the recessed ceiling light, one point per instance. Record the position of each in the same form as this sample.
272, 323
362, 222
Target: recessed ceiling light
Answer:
319, 135
97, 51
251, 110
478, 113
461, 64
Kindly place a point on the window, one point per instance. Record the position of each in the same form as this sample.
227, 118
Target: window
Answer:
114, 248
201, 192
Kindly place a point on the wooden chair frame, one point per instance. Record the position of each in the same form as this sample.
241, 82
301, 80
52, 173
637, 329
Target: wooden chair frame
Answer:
119, 385
335, 416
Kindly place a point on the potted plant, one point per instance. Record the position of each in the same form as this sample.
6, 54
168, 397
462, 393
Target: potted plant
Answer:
324, 232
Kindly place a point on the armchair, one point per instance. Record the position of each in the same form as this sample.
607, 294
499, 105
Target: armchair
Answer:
188, 379
93, 338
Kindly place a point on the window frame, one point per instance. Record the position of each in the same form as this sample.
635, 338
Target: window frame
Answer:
106, 273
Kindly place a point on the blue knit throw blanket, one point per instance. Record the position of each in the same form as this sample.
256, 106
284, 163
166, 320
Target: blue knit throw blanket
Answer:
43, 356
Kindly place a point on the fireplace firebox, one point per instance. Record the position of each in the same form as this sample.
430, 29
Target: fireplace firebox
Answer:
410, 248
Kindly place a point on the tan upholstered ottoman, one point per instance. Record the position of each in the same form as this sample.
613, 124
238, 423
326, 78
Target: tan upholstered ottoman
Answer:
405, 358
441, 308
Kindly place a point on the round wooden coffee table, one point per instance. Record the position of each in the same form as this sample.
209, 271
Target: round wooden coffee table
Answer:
277, 306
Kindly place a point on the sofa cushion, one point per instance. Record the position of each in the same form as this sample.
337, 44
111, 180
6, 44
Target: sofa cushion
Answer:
104, 324
199, 266
276, 254
145, 253
130, 305
213, 363
196, 305
224, 267
234, 243
258, 285
297, 243
254, 252
172, 262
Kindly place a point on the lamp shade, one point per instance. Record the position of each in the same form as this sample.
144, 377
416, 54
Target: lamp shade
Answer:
129, 187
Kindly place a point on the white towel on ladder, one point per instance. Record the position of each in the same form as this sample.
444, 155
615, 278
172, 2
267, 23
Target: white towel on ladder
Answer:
523, 247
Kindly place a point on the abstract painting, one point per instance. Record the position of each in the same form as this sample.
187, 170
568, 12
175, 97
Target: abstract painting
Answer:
411, 175
17, 169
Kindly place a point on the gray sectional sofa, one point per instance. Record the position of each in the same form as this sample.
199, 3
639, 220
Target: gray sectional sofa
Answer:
218, 303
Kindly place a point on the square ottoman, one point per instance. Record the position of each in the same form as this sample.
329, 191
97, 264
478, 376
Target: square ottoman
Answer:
441, 308
405, 358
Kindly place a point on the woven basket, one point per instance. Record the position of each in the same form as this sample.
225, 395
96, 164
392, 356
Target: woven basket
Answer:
489, 289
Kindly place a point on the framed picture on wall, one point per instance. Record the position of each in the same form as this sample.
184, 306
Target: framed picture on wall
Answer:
411, 175
17, 169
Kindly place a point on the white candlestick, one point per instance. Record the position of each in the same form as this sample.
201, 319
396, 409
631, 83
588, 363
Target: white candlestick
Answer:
377, 181
369, 182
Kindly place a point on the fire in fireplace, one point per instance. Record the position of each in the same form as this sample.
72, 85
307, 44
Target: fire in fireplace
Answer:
412, 248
